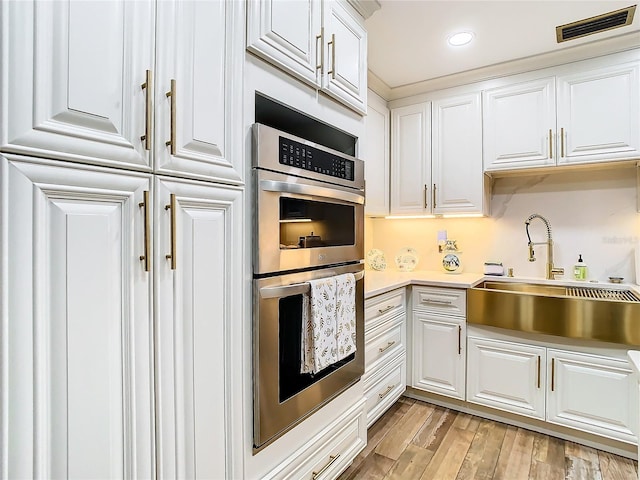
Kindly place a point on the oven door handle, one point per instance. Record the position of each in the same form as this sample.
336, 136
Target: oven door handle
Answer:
294, 289
311, 190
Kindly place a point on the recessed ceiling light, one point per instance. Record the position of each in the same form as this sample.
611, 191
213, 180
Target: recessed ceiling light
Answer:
460, 38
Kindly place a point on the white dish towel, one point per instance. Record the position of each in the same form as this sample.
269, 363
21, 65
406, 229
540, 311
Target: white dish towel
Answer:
329, 322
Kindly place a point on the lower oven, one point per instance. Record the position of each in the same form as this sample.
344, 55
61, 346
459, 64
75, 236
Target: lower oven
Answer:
282, 395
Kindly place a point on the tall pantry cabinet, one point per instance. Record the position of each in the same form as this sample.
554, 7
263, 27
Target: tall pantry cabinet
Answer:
122, 187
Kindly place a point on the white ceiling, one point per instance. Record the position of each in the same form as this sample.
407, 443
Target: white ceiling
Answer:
407, 38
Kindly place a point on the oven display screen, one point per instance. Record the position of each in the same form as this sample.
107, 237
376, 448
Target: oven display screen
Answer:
298, 155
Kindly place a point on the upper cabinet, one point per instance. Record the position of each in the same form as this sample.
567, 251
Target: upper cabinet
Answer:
138, 85
321, 42
436, 157
376, 155
587, 112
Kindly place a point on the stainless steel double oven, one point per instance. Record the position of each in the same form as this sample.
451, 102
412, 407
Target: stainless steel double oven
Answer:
308, 224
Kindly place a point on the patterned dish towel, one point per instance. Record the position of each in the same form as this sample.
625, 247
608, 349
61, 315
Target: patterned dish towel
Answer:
329, 322
319, 326
345, 314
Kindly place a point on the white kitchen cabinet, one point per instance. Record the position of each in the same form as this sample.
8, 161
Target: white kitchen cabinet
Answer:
593, 393
585, 112
198, 59
385, 339
321, 42
598, 114
436, 157
438, 340
506, 375
330, 452
411, 159
78, 89
77, 369
376, 155
456, 159
591, 389
439, 354
519, 125
197, 303
82, 338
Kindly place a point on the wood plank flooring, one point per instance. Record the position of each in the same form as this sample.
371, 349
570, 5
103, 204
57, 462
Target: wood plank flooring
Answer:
416, 440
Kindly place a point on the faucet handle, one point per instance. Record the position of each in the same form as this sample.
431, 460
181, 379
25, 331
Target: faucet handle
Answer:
556, 271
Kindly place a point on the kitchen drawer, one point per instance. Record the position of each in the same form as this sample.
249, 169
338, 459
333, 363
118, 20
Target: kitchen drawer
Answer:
382, 390
384, 342
443, 301
382, 307
330, 452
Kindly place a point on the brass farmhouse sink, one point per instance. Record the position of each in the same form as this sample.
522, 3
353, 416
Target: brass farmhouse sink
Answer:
589, 313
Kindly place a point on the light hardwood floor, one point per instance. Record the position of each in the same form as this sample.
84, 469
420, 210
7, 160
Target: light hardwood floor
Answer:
416, 440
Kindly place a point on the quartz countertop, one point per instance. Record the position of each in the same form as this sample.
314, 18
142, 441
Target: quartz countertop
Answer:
634, 356
376, 282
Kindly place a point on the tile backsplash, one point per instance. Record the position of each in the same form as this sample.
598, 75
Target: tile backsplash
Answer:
591, 212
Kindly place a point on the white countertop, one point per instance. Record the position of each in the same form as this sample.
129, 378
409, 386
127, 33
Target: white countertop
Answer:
377, 282
634, 356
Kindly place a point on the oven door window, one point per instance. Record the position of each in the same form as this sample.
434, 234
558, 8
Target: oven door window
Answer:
290, 350
310, 223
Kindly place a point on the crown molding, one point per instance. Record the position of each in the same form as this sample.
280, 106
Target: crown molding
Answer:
366, 8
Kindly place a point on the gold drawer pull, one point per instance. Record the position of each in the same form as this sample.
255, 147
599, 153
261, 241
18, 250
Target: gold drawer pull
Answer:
147, 231
439, 302
172, 140
388, 346
147, 110
538, 371
332, 458
172, 206
385, 309
386, 392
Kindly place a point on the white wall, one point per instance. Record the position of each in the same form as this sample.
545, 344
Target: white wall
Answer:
591, 212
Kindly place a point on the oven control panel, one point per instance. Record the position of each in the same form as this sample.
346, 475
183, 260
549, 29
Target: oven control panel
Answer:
298, 155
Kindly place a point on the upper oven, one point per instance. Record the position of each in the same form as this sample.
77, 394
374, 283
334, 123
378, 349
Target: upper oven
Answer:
309, 204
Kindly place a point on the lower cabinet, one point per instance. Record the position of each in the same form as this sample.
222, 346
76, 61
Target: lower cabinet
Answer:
385, 339
330, 452
439, 354
438, 340
593, 393
117, 360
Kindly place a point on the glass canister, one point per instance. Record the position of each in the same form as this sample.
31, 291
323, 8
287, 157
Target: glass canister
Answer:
451, 257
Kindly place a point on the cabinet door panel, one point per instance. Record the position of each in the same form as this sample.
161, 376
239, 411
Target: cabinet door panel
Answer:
507, 376
519, 125
457, 155
79, 361
598, 111
287, 33
581, 393
196, 313
438, 355
377, 157
197, 49
345, 72
411, 159
75, 70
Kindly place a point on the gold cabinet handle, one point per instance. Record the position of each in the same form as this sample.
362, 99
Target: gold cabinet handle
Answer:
550, 144
332, 72
436, 301
385, 309
459, 340
172, 141
425, 196
172, 206
320, 51
147, 111
332, 459
434, 196
386, 392
553, 374
562, 142
147, 232
387, 346
538, 371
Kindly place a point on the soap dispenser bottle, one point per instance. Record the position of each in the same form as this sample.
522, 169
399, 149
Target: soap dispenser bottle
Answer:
580, 269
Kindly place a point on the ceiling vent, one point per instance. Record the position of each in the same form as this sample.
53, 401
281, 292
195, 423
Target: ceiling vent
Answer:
600, 23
